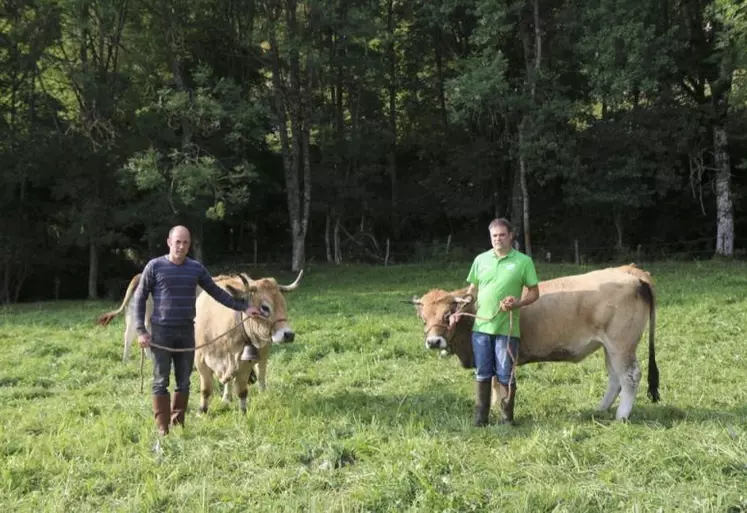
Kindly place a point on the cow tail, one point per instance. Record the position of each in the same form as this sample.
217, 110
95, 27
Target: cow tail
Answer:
105, 318
653, 371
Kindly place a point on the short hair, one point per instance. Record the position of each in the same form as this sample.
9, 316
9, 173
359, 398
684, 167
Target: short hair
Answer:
501, 221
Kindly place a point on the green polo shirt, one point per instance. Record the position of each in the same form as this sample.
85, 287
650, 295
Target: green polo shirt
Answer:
496, 278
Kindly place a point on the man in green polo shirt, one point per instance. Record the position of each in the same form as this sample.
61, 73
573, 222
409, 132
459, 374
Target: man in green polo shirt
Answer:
498, 277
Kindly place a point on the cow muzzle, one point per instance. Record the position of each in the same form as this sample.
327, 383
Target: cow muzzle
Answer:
283, 336
435, 343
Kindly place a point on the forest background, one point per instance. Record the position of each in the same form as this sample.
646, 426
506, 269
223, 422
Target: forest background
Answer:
289, 132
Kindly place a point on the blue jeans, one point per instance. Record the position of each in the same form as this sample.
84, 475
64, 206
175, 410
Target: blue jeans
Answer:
492, 357
176, 337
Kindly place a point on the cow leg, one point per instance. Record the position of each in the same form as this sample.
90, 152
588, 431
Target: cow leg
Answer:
613, 384
629, 373
130, 334
242, 398
495, 396
206, 382
261, 367
227, 393
241, 384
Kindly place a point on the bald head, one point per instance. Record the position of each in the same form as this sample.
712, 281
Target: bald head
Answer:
178, 242
178, 229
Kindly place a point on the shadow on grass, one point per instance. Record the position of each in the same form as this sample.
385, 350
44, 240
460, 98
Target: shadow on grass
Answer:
432, 411
668, 416
445, 411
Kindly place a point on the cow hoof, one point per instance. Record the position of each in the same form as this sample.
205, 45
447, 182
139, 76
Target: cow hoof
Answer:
203, 409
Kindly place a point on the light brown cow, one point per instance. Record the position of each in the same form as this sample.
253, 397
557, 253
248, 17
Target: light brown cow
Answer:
239, 286
130, 333
221, 358
573, 317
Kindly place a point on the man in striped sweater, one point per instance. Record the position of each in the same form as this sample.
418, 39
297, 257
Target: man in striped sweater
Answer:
172, 280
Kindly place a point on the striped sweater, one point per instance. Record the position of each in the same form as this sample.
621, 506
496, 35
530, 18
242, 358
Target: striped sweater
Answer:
174, 292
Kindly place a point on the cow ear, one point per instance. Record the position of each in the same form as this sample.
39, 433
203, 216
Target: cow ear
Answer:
418, 305
463, 300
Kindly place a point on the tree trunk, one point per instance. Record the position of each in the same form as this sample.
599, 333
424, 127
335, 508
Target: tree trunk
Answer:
618, 220
338, 249
392, 154
5, 284
23, 272
532, 61
438, 35
724, 204
328, 238
197, 238
517, 208
93, 270
292, 101
255, 244
300, 261
524, 192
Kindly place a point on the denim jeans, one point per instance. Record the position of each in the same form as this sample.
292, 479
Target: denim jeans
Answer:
176, 337
492, 357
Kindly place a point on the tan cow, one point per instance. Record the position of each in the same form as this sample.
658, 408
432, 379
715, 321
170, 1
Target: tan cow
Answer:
221, 358
130, 333
281, 331
573, 317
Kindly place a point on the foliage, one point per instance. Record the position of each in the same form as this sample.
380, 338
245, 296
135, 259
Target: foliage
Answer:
407, 121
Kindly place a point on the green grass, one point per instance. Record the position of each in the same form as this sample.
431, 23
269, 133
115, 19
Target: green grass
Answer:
358, 416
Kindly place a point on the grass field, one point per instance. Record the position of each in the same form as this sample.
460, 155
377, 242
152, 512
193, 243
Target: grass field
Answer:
358, 416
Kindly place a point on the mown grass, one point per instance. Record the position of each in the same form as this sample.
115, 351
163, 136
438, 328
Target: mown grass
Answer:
358, 416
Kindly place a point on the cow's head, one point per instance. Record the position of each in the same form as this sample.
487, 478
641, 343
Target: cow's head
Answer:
266, 295
435, 309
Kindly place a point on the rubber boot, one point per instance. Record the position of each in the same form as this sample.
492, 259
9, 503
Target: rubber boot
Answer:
179, 408
482, 403
508, 396
162, 413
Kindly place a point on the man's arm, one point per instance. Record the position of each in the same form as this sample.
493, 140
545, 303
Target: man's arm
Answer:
511, 303
530, 276
532, 295
144, 289
471, 290
220, 295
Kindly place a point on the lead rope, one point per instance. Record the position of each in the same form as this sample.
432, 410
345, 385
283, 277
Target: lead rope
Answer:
190, 349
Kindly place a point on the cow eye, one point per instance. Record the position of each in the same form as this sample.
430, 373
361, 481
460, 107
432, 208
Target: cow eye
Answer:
265, 309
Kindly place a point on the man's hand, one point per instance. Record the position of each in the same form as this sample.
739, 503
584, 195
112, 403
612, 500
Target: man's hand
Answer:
144, 340
510, 303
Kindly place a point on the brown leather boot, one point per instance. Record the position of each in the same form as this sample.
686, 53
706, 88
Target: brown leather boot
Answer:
179, 408
508, 396
162, 413
482, 403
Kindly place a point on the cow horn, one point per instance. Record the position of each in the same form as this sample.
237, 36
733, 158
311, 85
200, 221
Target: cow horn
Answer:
248, 282
244, 280
292, 286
